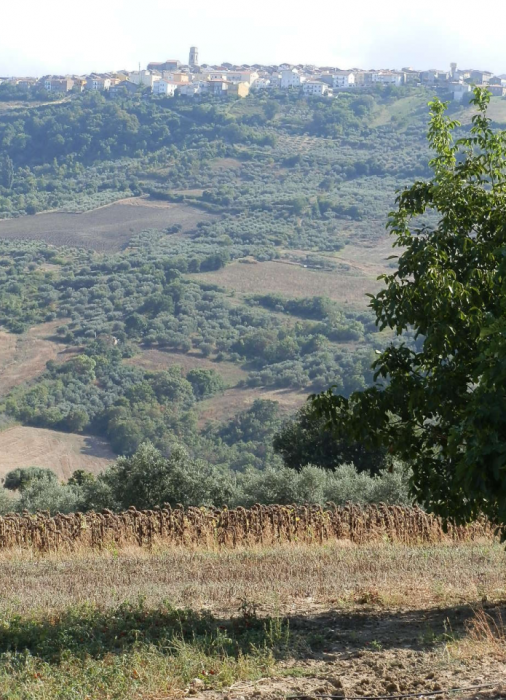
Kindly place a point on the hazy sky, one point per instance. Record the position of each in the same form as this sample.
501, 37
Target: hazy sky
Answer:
65, 36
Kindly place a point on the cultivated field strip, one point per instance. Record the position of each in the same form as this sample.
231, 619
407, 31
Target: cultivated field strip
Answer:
211, 527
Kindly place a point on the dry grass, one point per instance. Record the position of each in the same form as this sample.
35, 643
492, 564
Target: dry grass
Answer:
286, 578
107, 228
295, 281
24, 357
157, 360
63, 453
485, 634
222, 407
310, 619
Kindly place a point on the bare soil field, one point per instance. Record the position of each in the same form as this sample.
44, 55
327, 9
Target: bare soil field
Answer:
106, 229
295, 281
24, 357
63, 453
340, 620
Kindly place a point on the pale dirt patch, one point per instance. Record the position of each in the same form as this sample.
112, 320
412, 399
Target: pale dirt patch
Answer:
24, 357
63, 453
294, 281
158, 360
233, 401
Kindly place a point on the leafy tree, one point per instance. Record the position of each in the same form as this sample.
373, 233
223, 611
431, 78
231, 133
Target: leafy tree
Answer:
441, 407
306, 439
19, 479
149, 479
7, 173
205, 382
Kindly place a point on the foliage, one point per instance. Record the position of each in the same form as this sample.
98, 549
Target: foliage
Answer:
306, 439
442, 407
21, 479
149, 479
86, 651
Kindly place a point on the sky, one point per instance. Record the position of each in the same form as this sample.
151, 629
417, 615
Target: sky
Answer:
62, 36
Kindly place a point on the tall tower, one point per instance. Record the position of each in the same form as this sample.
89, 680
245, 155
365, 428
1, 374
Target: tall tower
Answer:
453, 69
194, 57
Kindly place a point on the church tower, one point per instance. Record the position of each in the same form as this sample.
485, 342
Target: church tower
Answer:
194, 57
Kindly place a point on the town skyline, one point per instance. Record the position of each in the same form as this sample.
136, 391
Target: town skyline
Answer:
386, 36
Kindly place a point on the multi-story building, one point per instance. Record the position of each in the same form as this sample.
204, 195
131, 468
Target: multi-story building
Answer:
496, 90
219, 74
363, 78
291, 78
315, 87
246, 76
387, 77
262, 84
217, 87
143, 77
460, 90
52, 84
434, 77
164, 87
343, 80
97, 83
190, 89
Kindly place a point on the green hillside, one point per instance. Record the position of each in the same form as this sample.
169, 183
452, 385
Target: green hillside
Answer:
236, 240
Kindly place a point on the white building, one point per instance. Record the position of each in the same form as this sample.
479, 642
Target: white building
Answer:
164, 87
143, 77
247, 76
97, 83
384, 77
262, 84
343, 80
216, 75
460, 90
315, 87
195, 88
291, 78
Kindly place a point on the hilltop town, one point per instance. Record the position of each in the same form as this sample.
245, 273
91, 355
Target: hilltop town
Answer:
170, 77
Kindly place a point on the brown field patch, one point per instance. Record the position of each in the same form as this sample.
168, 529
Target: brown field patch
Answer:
159, 360
227, 405
106, 229
24, 357
295, 281
63, 453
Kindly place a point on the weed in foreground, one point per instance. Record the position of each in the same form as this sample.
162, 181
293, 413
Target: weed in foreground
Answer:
129, 651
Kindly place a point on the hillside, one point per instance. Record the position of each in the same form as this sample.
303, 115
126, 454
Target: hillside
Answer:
192, 257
